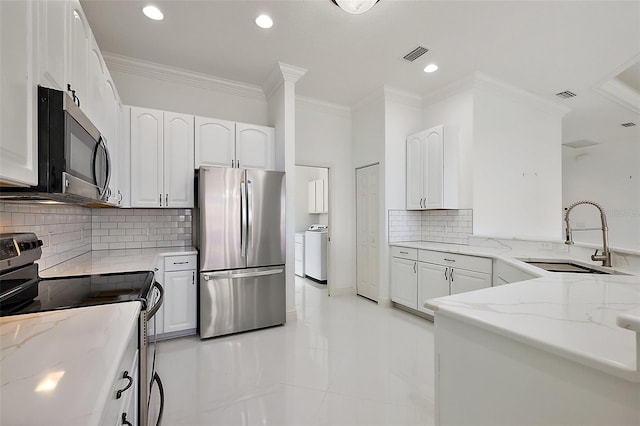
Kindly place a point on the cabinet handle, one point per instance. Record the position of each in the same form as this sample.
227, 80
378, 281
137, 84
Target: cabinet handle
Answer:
449, 260
128, 377
451, 275
160, 198
181, 263
404, 252
415, 267
238, 164
166, 200
193, 278
445, 274
232, 164
420, 202
125, 421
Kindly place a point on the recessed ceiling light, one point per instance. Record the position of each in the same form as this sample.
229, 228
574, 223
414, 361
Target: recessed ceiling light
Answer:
153, 12
431, 68
264, 21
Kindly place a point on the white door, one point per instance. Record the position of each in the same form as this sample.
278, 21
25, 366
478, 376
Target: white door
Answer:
367, 228
179, 301
18, 137
434, 168
255, 147
404, 282
215, 143
433, 281
51, 43
463, 280
146, 158
178, 160
80, 37
414, 172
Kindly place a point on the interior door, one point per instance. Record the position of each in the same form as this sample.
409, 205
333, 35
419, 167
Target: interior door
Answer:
266, 218
367, 227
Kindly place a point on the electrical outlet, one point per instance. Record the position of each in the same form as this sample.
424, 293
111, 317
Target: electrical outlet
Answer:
545, 246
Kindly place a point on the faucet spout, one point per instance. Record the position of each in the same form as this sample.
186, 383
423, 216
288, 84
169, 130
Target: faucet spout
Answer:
605, 257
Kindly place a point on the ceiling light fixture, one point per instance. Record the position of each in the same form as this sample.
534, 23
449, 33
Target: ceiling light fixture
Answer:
153, 12
264, 21
431, 68
355, 7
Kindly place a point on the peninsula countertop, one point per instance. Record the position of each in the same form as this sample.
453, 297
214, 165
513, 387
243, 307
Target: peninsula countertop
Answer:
58, 367
107, 261
588, 318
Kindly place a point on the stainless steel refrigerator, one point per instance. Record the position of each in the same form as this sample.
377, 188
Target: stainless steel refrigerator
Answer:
241, 241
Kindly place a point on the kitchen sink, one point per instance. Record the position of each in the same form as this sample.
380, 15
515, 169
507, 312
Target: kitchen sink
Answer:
568, 266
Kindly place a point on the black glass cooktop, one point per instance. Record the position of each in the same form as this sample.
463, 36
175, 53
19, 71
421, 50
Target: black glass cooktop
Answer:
84, 290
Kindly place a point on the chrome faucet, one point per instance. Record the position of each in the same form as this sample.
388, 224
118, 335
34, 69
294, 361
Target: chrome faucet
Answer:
605, 257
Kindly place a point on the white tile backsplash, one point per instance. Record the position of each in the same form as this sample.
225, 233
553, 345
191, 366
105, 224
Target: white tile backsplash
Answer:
64, 230
447, 226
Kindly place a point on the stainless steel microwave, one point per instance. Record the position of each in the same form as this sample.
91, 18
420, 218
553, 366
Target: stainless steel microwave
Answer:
74, 165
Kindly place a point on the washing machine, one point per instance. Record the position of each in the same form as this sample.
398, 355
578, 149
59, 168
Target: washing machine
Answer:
315, 253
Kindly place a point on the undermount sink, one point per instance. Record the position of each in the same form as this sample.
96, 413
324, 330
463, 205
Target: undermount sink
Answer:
568, 266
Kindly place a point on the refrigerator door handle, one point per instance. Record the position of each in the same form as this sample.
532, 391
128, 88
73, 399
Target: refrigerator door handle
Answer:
249, 234
232, 275
243, 218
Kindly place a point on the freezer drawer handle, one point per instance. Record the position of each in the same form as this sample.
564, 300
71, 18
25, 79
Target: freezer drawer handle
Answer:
231, 275
180, 263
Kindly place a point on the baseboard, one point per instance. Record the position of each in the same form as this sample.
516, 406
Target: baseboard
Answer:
343, 291
292, 316
385, 303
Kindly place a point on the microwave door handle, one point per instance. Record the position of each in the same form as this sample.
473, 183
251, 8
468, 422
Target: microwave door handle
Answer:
96, 148
108, 162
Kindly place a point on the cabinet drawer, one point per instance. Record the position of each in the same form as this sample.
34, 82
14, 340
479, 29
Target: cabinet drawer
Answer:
300, 238
459, 261
404, 253
180, 263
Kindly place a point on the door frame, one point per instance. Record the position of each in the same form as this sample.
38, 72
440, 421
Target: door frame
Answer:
355, 179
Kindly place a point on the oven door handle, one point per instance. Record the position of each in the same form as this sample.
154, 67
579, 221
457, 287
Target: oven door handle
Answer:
157, 305
17, 289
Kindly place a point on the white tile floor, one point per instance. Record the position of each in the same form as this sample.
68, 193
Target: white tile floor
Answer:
346, 361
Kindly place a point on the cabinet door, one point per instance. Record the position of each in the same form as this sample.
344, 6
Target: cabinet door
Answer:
79, 39
178, 160
215, 142
180, 301
433, 281
414, 172
319, 184
404, 282
51, 43
124, 160
18, 115
255, 146
433, 168
463, 280
311, 196
325, 195
93, 103
146, 158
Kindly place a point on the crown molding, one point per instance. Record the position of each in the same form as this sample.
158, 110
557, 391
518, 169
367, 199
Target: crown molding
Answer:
323, 106
484, 82
376, 95
281, 73
455, 88
139, 67
402, 97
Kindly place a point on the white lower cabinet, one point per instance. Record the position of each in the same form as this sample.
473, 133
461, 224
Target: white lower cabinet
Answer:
420, 275
299, 270
178, 314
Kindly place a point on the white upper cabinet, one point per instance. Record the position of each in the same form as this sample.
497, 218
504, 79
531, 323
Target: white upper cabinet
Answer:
18, 88
215, 142
230, 144
255, 146
52, 43
79, 35
318, 196
432, 171
93, 102
178, 160
162, 159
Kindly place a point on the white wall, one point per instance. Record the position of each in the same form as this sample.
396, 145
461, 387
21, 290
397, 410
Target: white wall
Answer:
456, 113
323, 139
608, 174
148, 92
517, 166
303, 176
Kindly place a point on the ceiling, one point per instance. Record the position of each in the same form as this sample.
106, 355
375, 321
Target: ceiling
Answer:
542, 47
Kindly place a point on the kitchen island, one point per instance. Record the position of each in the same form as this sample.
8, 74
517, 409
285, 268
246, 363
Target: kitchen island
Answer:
60, 367
559, 349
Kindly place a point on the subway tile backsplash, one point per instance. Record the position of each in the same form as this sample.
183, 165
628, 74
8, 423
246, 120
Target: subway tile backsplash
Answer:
141, 228
445, 226
69, 231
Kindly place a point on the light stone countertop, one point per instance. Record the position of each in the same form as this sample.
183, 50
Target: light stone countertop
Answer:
108, 261
592, 319
80, 348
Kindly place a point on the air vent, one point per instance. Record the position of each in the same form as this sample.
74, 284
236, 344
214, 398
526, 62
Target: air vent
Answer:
629, 124
582, 143
566, 94
415, 53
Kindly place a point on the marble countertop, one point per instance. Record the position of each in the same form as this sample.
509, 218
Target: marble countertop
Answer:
107, 261
592, 319
58, 367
